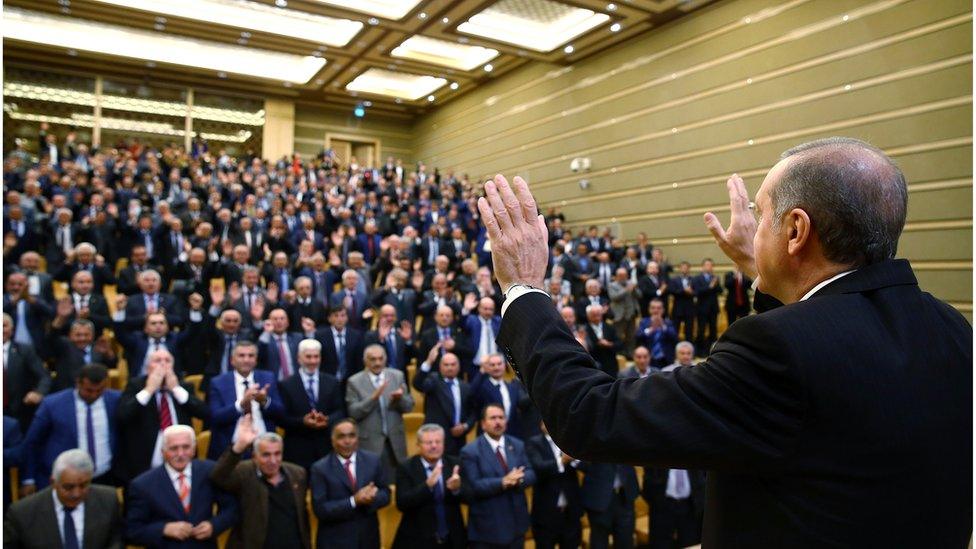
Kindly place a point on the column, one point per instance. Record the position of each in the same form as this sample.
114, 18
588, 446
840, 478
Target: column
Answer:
279, 129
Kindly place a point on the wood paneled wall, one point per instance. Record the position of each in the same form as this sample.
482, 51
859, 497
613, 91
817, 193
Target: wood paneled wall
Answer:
312, 123
666, 118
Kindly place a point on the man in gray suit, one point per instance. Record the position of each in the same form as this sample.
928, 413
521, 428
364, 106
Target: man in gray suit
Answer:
377, 397
71, 513
624, 294
25, 379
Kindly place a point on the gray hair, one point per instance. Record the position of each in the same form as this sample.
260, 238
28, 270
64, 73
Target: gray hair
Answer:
76, 459
309, 345
179, 429
684, 345
855, 195
270, 436
429, 428
374, 346
150, 273
86, 247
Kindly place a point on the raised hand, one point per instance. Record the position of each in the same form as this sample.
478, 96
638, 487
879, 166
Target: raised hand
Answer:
406, 330
121, 300
308, 325
518, 233
736, 241
217, 294
454, 481
234, 291
435, 476
245, 433
435, 352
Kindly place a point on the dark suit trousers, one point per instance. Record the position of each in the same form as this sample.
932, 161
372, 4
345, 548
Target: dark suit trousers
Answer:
684, 325
568, 535
670, 516
617, 520
703, 343
518, 543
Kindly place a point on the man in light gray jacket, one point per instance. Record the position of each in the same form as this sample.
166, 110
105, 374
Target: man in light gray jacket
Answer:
624, 305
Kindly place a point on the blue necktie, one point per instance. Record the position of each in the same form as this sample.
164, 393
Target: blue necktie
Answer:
341, 352
310, 389
439, 512
391, 351
90, 428
70, 535
457, 407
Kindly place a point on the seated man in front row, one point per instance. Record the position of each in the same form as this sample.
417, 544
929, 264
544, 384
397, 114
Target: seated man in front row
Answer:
71, 513
173, 505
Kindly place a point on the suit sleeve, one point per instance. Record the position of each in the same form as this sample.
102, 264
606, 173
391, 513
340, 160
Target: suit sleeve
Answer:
140, 529
740, 407
227, 512
382, 489
477, 485
543, 464
37, 369
38, 432
359, 405
328, 508
410, 494
221, 413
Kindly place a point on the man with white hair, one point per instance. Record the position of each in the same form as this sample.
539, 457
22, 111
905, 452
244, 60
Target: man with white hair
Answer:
71, 513
313, 402
155, 518
84, 257
684, 355
350, 298
61, 240
151, 299
274, 490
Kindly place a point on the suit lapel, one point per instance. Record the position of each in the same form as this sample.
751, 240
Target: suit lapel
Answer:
166, 485
341, 471
49, 516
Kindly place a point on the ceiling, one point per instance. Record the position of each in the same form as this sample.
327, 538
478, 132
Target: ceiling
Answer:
402, 57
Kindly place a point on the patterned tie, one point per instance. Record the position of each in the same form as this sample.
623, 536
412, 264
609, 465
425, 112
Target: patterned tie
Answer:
350, 475
501, 458
341, 354
184, 493
310, 389
283, 371
439, 511
165, 417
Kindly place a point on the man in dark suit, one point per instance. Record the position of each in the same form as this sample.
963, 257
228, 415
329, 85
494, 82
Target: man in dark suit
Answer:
13, 455
608, 493
86, 303
707, 289
783, 391
676, 498
481, 329
56, 428
683, 310
85, 258
193, 275
490, 387
244, 390
30, 265
28, 313
173, 505
593, 296
603, 340
312, 402
447, 400
428, 493
429, 248
342, 347
397, 294
277, 271
351, 299
154, 334
25, 380
71, 512
556, 503
150, 404
275, 513
216, 343
150, 300
128, 276
444, 332
737, 287
368, 242
73, 352
62, 238
278, 347
440, 294
348, 488
652, 285
495, 472
397, 342
304, 305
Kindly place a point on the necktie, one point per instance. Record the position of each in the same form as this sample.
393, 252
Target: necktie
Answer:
501, 458
455, 401
439, 511
90, 434
310, 389
341, 354
283, 276
165, 417
184, 492
70, 534
283, 370
740, 296
21, 333
246, 383
370, 245
350, 474
228, 349
391, 351
150, 304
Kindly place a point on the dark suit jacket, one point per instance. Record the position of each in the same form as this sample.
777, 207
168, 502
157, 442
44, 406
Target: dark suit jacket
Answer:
135, 310
405, 351
605, 356
69, 360
495, 515
305, 445
268, 353
314, 310
485, 392
241, 479
221, 397
361, 302
683, 304
462, 345
439, 406
584, 302
341, 525
37, 314
101, 275
405, 302
707, 296
598, 480
800, 414
213, 343
127, 283
24, 373
136, 345
97, 313
549, 484
418, 524
353, 351
152, 501
139, 425
55, 429
32, 523
655, 487
730, 293
13, 436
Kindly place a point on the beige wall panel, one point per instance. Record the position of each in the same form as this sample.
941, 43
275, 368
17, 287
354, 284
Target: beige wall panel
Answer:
947, 285
312, 123
949, 245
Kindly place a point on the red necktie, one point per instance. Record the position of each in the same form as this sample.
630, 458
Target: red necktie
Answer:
501, 458
165, 417
283, 359
349, 474
740, 298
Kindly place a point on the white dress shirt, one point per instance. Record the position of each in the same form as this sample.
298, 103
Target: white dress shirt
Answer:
77, 515
506, 398
486, 347
100, 425
258, 419
181, 396
174, 478
558, 454
498, 445
314, 376
342, 463
679, 485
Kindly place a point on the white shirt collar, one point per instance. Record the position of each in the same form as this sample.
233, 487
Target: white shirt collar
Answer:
174, 474
59, 507
306, 375
352, 457
816, 288
238, 378
495, 382
496, 444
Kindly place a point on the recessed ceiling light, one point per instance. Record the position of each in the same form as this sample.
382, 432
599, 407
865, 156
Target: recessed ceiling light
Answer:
367, 103
73, 53
161, 20
454, 85
242, 41
543, 26
444, 53
281, 3
431, 98
150, 64
373, 21
615, 27
445, 20
287, 84
245, 34
398, 100
422, 15
611, 7
489, 67
159, 26
569, 49
221, 74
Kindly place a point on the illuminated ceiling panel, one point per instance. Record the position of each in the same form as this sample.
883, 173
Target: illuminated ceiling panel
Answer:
253, 16
442, 52
395, 84
83, 35
387, 9
540, 25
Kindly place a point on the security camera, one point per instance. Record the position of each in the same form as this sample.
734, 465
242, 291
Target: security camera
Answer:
580, 164
584, 184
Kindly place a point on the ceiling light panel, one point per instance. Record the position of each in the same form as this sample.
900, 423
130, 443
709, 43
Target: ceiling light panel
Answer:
444, 53
388, 9
253, 16
395, 84
82, 35
539, 25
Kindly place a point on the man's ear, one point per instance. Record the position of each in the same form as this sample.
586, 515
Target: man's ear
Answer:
800, 231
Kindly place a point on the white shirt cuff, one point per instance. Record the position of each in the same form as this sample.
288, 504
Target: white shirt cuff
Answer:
196, 316
352, 501
425, 367
180, 395
143, 396
237, 405
515, 293
119, 316
214, 310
